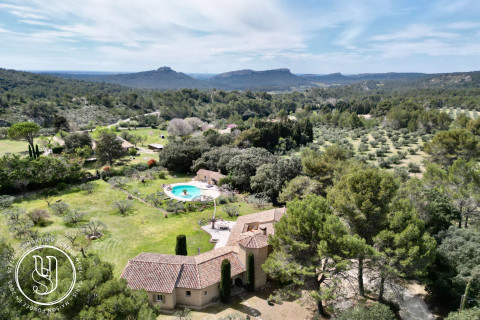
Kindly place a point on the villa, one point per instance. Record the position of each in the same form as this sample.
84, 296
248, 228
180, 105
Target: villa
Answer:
211, 177
193, 281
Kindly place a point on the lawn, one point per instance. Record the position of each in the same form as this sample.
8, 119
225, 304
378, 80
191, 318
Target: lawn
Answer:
153, 136
14, 146
144, 230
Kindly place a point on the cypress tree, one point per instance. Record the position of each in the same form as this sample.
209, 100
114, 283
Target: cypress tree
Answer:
250, 272
30, 152
225, 281
37, 151
181, 246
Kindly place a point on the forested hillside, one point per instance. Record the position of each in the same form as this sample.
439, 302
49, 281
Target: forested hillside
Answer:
27, 96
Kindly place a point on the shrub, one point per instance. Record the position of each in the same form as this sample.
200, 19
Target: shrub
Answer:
396, 159
363, 147
87, 187
6, 201
60, 208
384, 163
425, 138
73, 217
231, 210
106, 169
118, 182
175, 207
401, 173
132, 151
259, 202
414, 168
232, 199
376, 311
222, 200
123, 206
162, 175
62, 186
57, 150
412, 151
397, 145
39, 216
151, 163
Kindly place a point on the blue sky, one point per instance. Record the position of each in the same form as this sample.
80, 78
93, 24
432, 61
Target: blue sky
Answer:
211, 36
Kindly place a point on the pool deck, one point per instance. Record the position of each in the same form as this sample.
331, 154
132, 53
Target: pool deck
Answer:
204, 191
219, 236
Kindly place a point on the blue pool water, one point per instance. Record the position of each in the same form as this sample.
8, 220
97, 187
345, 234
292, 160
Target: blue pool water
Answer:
192, 191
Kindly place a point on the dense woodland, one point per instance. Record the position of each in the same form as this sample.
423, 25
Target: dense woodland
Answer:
345, 211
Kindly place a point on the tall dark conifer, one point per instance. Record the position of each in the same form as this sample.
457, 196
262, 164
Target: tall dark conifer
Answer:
225, 281
181, 246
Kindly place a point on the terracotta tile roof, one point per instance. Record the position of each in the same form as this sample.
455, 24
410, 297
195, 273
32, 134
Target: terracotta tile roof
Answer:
163, 272
151, 276
260, 219
212, 174
256, 241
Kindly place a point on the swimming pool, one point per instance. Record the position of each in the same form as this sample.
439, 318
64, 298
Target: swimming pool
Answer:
192, 191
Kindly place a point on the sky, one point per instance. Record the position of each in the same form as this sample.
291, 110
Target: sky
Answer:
213, 36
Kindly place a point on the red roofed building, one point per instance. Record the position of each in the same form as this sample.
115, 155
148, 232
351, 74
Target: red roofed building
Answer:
193, 281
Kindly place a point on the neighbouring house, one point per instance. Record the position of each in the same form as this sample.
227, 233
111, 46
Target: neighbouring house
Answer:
126, 145
155, 146
210, 177
193, 281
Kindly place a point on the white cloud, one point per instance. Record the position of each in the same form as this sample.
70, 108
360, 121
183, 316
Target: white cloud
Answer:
415, 31
220, 35
464, 25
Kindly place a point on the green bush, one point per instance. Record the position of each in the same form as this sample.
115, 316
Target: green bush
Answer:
376, 311
384, 163
222, 200
414, 168
62, 186
232, 199
132, 151
380, 153
57, 150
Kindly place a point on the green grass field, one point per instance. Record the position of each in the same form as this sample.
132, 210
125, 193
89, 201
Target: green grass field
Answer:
144, 230
15, 146
151, 134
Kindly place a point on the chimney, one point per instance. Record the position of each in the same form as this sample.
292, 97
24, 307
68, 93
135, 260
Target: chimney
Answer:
218, 171
264, 230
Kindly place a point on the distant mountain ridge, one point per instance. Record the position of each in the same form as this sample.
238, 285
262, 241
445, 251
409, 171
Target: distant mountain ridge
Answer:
162, 78
282, 79
250, 80
338, 78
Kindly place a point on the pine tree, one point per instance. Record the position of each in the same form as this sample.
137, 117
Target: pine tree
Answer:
181, 247
225, 281
251, 272
30, 152
37, 151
